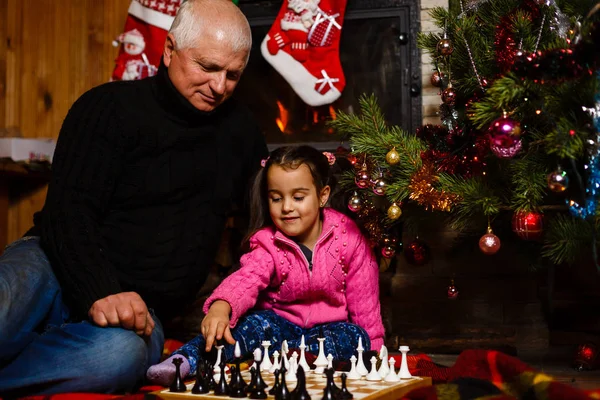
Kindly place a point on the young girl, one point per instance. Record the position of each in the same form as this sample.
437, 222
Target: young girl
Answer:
309, 272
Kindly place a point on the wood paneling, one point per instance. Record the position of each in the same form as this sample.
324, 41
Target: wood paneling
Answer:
51, 52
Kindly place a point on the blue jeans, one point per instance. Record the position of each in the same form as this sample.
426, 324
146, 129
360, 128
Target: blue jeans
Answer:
341, 338
42, 352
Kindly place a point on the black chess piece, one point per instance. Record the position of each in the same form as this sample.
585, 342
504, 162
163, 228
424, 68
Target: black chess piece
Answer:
328, 391
300, 393
260, 382
222, 388
283, 393
237, 385
275, 387
177, 385
258, 392
344, 393
202, 385
252, 385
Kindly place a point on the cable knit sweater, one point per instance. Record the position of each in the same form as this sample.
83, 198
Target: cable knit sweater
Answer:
274, 275
142, 184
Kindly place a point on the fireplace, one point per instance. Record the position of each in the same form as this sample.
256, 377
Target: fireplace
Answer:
378, 53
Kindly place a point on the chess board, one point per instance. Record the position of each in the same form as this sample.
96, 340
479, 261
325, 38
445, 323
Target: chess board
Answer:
315, 383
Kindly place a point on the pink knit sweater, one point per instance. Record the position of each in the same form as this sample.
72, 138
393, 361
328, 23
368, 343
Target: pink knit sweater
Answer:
343, 284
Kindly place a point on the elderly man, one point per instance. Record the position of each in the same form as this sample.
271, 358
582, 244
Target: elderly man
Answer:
144, 175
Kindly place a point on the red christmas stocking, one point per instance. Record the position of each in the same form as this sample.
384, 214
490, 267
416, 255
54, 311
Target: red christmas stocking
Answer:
303, 46
143, 39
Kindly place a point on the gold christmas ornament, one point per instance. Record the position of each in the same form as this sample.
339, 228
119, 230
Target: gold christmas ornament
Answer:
392, 157
394, 212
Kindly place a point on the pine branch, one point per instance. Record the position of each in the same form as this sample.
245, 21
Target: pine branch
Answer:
566, 239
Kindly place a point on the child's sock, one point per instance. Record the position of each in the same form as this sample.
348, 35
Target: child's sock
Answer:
164, 373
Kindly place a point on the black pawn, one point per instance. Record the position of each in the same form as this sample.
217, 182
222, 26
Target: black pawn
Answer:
275, 387
300, 393
177, 385
236, 384
260, 382
283, 393
222, 388
345, 394
201, 386
252, 385
328, 391
258, 392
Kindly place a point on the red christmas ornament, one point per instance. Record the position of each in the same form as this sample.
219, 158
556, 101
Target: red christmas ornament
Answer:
449, 96
436, 79
452, 291
528, 225
352, 158
586, 357
417, 252
505, 137
363, 179
489, 243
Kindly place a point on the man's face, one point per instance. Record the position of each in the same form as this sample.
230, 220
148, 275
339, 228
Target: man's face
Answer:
207, 74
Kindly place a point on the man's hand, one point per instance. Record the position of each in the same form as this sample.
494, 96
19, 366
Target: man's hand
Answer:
215, 324
126, 310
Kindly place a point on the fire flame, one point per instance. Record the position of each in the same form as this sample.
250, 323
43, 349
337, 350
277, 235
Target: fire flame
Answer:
283, 118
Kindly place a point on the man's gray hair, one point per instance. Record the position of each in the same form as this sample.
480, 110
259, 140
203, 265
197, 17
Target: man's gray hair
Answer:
194, 16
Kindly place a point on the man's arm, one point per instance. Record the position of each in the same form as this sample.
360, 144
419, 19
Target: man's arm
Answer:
86, 164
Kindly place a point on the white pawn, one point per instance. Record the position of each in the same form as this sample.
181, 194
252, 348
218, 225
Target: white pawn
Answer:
321, 361
257, 356
383, 356
391, 375
291, 374
265, 365
284, 357
360, 366
276, 363
303, 361
404, 373
353, 374
373, 375
329, 361
217, 366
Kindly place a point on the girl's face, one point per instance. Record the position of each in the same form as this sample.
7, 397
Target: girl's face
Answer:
294, 203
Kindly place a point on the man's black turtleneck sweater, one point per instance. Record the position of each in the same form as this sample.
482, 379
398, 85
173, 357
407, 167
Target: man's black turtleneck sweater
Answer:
142, 183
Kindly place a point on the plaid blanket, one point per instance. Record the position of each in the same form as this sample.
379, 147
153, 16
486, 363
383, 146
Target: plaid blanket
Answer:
476, 375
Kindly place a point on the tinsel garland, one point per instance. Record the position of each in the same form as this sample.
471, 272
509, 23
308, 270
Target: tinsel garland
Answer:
423, 190
592, 189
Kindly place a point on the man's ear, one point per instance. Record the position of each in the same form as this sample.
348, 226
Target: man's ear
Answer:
169, 49
324, 195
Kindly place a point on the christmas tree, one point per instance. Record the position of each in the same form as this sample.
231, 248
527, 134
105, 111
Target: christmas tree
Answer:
518, 136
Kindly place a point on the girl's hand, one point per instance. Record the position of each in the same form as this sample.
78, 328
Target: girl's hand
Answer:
215, 325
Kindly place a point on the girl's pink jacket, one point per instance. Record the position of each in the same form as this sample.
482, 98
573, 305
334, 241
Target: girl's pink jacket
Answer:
343, 284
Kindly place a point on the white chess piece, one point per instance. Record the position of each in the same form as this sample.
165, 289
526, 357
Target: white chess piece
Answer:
265, 365
404, 373
329, 361
353, 374
321, 361
217, 366
391, 375
284, 357
383, 356
291, 374
303, 361
276, 363
360, 365
373, 375
257, 357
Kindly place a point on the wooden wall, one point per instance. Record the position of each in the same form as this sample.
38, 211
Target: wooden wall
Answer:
50, 53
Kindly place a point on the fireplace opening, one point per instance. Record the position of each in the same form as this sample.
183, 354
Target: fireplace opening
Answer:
378, 54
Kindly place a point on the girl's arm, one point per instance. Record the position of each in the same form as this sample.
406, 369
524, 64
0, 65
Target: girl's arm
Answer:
241, 288
362, 292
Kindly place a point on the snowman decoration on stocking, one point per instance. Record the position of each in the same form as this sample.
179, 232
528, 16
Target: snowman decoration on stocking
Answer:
132, 63
303, 46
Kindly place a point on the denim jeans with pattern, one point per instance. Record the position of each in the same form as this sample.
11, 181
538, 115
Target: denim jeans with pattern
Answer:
41, 351
341, 338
